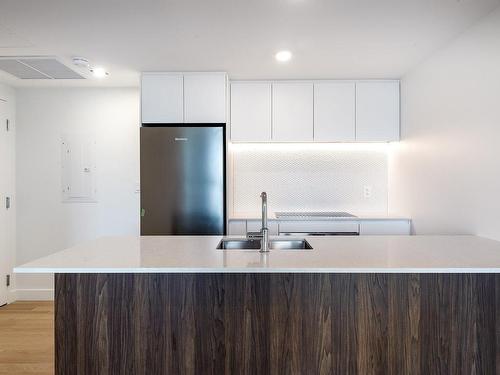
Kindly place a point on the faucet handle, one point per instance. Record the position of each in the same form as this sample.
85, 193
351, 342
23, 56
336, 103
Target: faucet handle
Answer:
263, 195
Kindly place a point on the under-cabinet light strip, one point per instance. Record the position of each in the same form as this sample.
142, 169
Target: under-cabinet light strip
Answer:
382, 147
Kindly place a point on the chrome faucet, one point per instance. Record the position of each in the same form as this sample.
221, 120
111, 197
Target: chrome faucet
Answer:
264, 231
264, 244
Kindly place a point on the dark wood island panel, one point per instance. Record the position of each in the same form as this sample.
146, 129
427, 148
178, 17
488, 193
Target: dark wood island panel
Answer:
277, 324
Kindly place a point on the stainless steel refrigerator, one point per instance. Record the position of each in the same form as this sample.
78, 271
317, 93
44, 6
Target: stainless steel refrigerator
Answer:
183, 187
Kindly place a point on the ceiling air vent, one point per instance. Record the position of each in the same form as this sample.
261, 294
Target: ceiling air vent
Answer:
37, 68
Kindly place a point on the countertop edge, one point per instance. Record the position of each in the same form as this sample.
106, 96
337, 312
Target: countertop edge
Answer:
22, 270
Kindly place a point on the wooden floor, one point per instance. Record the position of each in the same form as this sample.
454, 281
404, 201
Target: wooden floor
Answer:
27, 338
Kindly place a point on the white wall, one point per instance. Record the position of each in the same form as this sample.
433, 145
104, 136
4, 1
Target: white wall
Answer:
445, 174
7, 188
45, 224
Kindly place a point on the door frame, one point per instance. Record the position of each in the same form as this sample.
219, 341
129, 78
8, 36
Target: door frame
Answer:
6, 190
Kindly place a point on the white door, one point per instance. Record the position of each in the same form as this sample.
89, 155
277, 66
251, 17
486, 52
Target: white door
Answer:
205, 98
250, 112
334, 111
292, 112
4, 185
162, 98
377, 111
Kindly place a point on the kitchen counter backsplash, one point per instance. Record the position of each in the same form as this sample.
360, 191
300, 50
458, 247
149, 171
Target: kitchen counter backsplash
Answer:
352, 178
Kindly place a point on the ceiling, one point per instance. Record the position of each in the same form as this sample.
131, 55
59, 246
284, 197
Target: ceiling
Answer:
328, 38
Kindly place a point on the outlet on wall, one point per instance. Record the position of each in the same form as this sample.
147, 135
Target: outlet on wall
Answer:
367, 191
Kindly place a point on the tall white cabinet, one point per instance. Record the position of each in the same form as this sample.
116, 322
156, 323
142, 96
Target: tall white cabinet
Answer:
172, 98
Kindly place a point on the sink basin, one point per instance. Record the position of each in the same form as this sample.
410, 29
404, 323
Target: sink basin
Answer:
298, 244
254, 244
237, 244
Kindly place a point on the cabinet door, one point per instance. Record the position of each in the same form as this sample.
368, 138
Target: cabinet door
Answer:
377, 111
292, 112
162, 98
205, 98
331, 226
334, 111
385, 227
250, 112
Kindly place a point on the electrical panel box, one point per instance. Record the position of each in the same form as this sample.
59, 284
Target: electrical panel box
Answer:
78, 168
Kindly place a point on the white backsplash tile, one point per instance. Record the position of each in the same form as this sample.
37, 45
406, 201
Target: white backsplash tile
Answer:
309, 178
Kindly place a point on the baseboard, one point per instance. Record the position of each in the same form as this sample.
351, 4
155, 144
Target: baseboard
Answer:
12, 296
35, 294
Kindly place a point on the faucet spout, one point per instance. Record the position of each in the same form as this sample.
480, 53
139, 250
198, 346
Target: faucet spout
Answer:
263, 195
264, 247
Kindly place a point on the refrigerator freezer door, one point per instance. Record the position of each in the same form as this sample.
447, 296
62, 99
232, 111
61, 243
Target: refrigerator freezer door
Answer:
182, 180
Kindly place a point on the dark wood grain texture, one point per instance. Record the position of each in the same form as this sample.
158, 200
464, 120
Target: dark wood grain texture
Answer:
403, 333
277, 324
496, 312
68, 313
344, 324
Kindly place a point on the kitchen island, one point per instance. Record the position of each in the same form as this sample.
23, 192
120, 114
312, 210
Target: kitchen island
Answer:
351, 305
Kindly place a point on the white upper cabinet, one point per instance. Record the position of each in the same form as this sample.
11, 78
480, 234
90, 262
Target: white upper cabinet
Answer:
250, 112
319, 111
205, 97
334, 111
162, 98
173, 98
292, 112
377, 111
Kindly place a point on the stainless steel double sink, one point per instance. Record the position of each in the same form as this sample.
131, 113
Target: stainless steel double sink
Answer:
254, 244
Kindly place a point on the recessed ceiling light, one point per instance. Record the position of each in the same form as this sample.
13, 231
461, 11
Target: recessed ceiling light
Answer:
283, 56
99, 72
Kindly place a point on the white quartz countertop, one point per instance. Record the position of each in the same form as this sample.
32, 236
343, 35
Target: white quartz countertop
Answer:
198, 254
